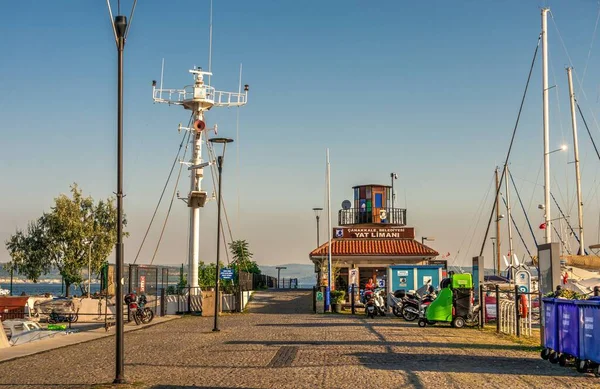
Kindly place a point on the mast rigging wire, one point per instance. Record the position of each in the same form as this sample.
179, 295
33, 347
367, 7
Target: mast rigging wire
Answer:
171, 203
524, 212
512, 139
517, 228
183, 140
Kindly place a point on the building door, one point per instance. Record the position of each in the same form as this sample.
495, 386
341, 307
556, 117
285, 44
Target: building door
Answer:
379, 202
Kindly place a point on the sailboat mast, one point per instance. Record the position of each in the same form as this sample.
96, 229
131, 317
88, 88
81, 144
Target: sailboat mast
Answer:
498, 243
329, 275
546, 122
576, 151
510, 240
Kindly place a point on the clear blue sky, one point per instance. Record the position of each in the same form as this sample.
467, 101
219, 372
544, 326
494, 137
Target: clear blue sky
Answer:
428, 90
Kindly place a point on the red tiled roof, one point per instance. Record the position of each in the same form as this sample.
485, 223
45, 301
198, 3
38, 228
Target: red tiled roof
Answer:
389, 247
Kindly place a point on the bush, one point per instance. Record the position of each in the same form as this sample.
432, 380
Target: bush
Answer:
337, 296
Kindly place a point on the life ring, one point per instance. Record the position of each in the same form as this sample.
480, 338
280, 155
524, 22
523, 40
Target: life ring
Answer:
523, 305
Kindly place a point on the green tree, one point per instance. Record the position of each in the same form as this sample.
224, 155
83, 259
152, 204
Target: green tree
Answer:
75, 231
28, 252
242, 257
206, 274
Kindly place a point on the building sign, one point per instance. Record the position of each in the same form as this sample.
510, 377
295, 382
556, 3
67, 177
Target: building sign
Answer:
353, 277
142, 284
374, 232
439, 262
226, 273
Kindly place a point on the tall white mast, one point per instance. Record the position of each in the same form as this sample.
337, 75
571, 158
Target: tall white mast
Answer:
197, 98
329, 278
508, 210
576, 151
546, 123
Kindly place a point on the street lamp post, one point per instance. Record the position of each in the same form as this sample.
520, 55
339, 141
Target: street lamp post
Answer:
220, 159
393, 176
493, 239
424, 238
279, 268
318, 216
120, 30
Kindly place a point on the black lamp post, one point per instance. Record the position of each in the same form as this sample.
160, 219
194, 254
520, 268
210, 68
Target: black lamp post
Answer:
220, 159
318, 216
120, 30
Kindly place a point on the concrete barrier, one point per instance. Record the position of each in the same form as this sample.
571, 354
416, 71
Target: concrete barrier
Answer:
3, 339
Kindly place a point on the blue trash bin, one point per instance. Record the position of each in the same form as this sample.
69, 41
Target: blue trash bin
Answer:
550, 328
589, 335
568, 330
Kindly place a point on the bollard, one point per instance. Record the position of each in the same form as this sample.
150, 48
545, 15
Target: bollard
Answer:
482, 308
163, 302
352, 299
517, 315
497, 309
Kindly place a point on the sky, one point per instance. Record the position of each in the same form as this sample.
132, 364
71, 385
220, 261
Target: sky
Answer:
428, 90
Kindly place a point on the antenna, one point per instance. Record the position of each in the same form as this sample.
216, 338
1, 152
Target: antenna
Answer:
210, 43
162, 70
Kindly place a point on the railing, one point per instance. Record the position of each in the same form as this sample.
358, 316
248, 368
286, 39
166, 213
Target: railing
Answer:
510, 318
205, 93
393, 216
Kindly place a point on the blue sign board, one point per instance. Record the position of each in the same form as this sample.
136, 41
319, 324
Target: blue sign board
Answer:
226, 273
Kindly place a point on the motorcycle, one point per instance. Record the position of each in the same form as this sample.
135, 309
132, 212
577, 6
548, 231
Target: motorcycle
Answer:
137, 308
415, 307
397, 299
375, 303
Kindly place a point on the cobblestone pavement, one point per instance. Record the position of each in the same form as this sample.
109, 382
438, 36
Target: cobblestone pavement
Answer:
280, 344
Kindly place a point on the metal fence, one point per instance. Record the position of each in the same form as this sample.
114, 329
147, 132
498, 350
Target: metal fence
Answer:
515, 312
288, 283
252, 281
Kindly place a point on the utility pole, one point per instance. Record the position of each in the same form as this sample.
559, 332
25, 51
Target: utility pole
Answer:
498, 250
577, 173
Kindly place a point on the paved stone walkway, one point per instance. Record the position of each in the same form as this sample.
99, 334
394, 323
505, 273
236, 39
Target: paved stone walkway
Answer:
280, 344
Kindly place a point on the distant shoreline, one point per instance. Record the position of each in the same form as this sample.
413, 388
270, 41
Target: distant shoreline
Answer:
52, 281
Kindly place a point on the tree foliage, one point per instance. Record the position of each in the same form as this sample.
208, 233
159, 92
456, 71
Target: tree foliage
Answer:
75, 231
242, 257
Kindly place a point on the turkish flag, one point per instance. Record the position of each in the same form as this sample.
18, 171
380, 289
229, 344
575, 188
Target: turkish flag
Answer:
543, 226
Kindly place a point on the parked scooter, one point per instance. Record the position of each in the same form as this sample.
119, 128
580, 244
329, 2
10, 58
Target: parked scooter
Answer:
137, 308
415, 307
397, 299
375, 303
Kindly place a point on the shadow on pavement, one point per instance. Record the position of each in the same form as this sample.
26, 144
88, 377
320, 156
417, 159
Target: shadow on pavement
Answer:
192, 387
486, 346
295, 301
319, 324
461, 364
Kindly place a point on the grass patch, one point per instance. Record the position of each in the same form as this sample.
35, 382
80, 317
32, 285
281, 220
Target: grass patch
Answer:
529, 343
